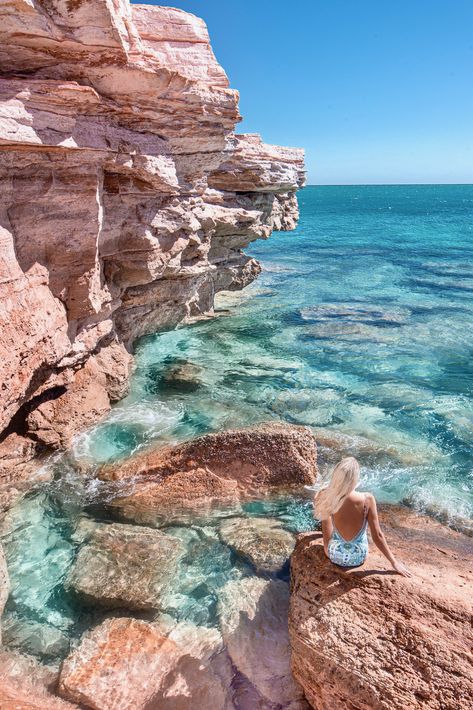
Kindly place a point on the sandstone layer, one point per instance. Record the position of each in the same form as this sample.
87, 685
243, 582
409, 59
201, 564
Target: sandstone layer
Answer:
367, 639
127, 199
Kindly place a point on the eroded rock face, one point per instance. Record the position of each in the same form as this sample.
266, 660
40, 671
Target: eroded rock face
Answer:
127, 664
262, 541
126, 197
369, 639
125, 566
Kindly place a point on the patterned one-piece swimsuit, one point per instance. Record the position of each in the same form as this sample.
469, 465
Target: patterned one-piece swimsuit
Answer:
349, 553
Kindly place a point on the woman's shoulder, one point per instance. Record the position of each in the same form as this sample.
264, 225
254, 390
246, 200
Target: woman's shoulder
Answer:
369, 499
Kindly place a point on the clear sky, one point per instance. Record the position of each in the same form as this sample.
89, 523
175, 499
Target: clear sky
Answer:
376, 91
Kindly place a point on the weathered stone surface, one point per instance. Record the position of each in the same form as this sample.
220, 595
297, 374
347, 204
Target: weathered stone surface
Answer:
126, 196
4, 585
259, 458
55, 421
367, 638
263, 541
125, 566
18, 469
126, 664
253, 620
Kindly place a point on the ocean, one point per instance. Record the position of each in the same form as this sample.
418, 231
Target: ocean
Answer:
360, 326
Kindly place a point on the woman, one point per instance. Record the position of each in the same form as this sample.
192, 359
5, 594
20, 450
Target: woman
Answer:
345, 515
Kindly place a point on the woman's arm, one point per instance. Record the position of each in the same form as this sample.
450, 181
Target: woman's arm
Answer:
327, 533
380, 540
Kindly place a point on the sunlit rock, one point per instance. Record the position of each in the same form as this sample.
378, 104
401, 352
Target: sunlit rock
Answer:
125, 566
25, 684
263, 541
253, 621
176, 497
259, 458
368, 638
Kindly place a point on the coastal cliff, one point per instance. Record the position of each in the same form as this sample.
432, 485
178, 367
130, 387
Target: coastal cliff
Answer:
127, 199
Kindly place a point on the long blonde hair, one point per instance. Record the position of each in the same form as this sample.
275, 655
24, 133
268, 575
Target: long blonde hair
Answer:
343, 480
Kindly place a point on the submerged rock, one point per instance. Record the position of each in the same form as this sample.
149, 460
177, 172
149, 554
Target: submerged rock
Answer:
31, 636
25, 684
253, 620
125, 566
4, 585
127, 664
262, 541
367, 638
180, 377
177, 497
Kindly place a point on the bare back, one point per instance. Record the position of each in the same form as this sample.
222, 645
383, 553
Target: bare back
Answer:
350, 517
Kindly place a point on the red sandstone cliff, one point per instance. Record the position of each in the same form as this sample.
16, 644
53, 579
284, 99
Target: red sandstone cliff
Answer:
126, 199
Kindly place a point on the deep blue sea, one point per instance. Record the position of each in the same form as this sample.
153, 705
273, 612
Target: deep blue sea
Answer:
360, 326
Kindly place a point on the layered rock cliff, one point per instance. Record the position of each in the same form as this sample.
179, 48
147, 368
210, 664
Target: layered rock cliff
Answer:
126, 200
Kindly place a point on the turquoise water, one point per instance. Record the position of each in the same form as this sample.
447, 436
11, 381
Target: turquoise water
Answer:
360, 326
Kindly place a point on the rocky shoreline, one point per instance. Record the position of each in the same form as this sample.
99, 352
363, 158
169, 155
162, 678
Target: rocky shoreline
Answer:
364, 639
127, 199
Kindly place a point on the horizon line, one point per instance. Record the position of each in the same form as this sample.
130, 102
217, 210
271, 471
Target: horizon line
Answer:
386, 184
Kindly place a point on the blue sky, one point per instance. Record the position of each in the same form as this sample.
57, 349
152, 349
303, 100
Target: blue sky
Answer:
376, 91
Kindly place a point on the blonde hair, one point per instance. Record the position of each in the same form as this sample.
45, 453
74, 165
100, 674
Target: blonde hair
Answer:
343, 480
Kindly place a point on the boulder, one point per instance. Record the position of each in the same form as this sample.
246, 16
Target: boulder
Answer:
127, 664
264, 457
125, 566
262, 541
253, 620
367, 638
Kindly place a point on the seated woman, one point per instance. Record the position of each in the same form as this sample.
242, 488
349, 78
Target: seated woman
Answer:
345, 515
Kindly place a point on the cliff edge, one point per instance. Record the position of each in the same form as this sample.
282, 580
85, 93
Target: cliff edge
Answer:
126, 201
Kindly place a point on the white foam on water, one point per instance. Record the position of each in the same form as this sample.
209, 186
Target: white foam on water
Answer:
149, 419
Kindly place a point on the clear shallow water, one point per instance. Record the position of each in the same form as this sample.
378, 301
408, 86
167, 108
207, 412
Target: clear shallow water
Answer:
360, 326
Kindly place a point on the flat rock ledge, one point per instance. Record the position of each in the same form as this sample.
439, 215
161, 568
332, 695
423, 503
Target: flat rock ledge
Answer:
367, 639
219, 468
